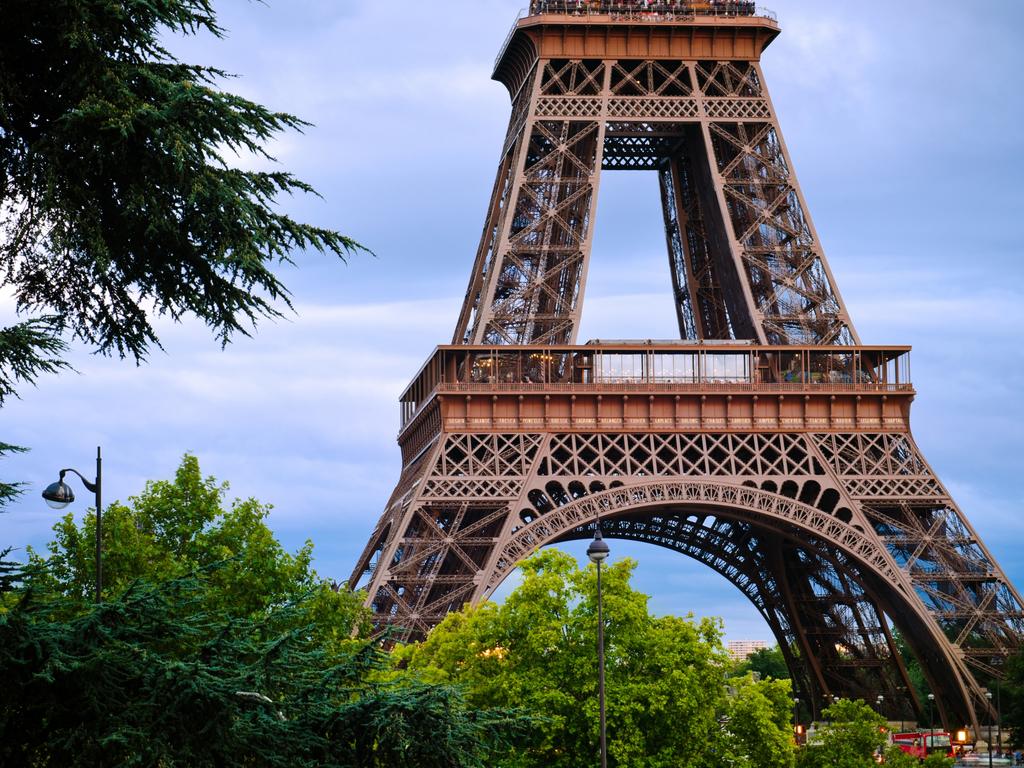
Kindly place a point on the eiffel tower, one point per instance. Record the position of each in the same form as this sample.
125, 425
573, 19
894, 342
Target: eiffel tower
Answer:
766, 442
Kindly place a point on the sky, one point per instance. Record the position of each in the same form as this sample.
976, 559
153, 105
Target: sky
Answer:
903, 121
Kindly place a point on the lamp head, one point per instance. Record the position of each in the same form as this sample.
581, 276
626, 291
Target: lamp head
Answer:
58, 495
931, 697
598, 550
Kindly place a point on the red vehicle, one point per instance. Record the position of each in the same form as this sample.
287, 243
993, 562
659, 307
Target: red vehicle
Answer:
920, 744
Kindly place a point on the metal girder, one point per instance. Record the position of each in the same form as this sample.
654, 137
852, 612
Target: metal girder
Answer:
729, 500
801, 485
747, 262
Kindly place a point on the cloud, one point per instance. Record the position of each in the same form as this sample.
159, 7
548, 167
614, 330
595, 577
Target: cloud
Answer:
805, 57
915, 192
304, 417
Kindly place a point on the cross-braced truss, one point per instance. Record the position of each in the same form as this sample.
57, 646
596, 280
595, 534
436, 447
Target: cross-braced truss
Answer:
793, 475
745, 258
830, 561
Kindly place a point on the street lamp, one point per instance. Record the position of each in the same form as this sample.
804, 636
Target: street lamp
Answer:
796, 719
931, 718
999, 718
58, 495
988, 695
830, 699
598, 552
878, 703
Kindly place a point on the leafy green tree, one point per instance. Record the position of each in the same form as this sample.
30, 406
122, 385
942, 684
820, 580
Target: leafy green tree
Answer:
759, 730
1012, 700
914, 671
850, 739
935, 760
176, 527
897, 758
116, 201
154, 677
766, 662
9, 491
537, 650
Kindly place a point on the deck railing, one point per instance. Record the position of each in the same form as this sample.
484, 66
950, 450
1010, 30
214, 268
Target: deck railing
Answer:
638, 10
659, 367
653, 10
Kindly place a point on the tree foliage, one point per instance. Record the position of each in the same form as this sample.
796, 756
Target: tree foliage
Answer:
897, 758
156, 677
666, 697
1012, 699
117, 204
213, 647
28, 350
853, 733
914, 670
759, 730
177, 527
766, 662
9, 491
115, 197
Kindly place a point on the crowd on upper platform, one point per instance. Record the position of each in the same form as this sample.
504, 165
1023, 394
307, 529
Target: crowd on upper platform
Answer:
640, 7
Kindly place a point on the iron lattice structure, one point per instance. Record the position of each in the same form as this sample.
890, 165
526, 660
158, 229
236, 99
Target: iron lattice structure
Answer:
766, 442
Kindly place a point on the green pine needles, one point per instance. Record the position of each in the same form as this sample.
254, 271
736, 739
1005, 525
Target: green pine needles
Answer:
117, 204
216, 647
155, 678
116, 201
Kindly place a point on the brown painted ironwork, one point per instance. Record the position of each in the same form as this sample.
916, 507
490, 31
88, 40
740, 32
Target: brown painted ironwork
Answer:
767, 442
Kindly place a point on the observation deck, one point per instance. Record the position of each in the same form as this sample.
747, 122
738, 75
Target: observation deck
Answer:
657, 385
650, 10
673, 29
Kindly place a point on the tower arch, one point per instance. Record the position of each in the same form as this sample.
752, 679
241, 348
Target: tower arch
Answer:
742, 532
765, 421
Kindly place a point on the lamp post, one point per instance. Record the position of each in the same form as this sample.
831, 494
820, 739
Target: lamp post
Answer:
931, 718
598, 552
796, 719
999, 718
988, 695
58, 495
878, 702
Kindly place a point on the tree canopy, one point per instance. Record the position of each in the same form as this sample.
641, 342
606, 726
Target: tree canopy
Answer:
758, 726
852, 734
155, 677
666, 694
214, 646
1012, 699
175, 528
766, 662
119, 200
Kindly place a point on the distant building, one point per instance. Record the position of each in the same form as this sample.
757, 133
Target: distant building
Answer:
740, 650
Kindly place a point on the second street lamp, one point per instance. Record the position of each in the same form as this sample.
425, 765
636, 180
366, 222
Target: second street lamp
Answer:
598, 552
999, 718
796, 719
58, 495
988, 695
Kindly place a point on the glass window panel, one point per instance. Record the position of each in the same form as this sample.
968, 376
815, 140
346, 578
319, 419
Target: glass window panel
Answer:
727, 367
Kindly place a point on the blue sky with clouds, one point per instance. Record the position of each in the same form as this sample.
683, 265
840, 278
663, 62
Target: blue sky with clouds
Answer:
904, 123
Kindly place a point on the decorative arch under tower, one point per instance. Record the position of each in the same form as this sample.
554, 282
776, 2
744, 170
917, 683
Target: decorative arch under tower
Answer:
766, 442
